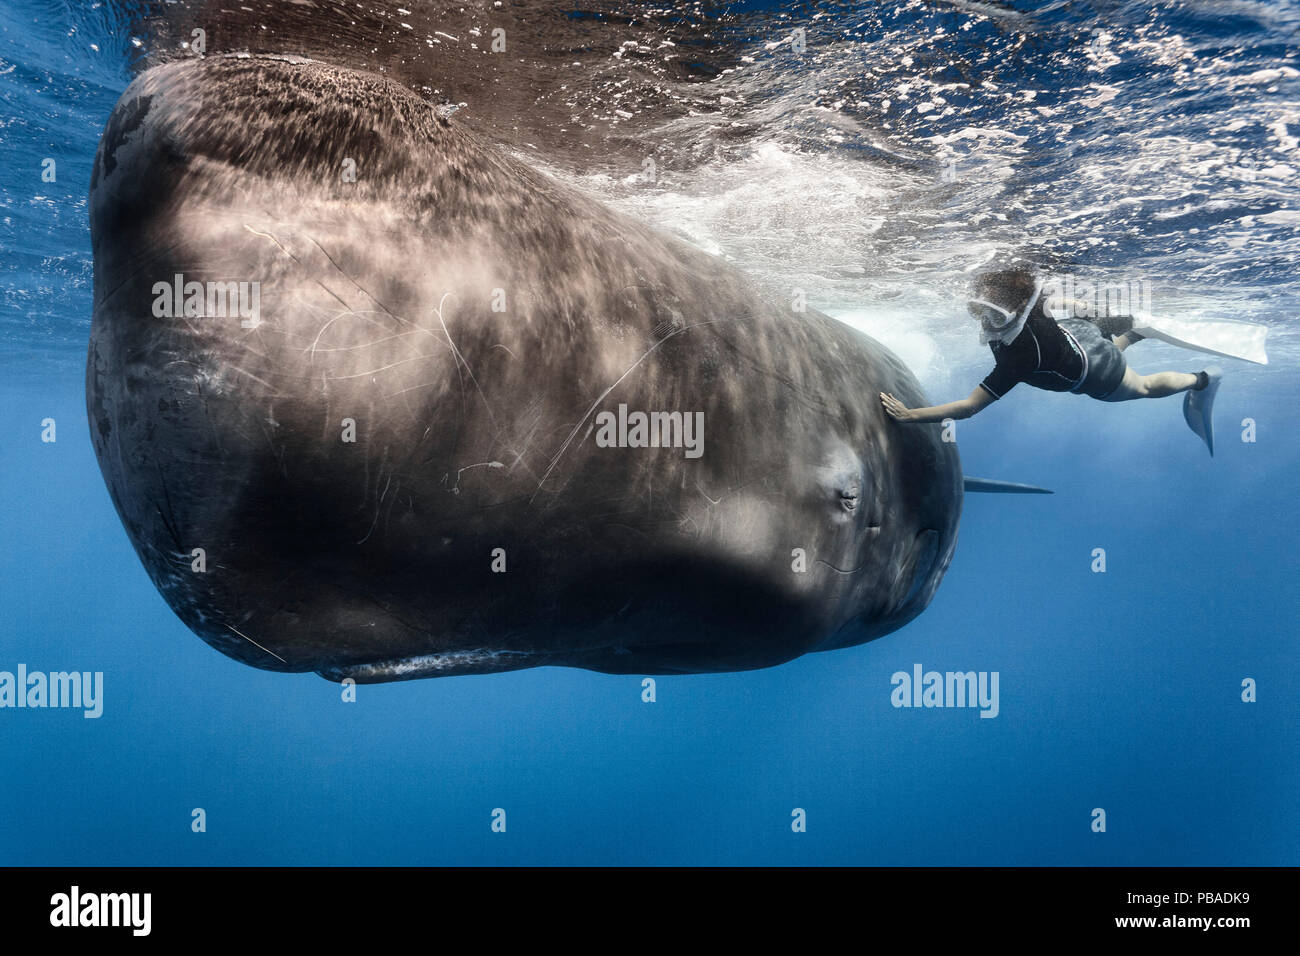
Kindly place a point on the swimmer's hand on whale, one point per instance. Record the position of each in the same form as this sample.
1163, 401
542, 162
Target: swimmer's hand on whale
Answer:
965, 408
1070, 355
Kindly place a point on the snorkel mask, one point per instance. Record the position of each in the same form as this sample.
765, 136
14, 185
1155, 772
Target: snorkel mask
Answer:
998, 323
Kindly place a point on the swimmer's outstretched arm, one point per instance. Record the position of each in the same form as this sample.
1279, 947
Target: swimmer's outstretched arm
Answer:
965, 408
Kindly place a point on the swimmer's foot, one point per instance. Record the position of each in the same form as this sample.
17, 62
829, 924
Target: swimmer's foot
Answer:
1198, 406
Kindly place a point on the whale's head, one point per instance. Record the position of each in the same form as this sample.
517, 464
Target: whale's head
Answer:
878, 504
889, 511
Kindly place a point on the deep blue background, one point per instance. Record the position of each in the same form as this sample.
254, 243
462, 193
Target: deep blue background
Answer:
1118, 690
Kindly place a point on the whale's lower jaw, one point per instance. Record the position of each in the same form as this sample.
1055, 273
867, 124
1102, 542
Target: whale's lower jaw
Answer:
607, 660
449, 664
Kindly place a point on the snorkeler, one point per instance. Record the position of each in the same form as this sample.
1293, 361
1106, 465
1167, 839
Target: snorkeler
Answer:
1066, 355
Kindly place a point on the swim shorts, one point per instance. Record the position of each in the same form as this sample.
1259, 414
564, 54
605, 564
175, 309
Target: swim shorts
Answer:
1106, 364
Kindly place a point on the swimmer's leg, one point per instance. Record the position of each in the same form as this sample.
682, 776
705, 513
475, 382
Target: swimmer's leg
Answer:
1158, 385
1128, 338
1119, 329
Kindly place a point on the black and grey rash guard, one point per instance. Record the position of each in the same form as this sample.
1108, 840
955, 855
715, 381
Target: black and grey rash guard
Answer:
1043, 355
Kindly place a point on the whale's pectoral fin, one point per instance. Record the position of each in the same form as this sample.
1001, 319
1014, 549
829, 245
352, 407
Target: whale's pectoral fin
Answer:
1003, 487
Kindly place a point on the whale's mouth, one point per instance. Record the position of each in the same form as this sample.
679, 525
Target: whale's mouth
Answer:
447, 664
925, 552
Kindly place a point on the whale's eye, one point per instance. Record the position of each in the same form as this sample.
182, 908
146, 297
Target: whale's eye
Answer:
840, 483
849, 498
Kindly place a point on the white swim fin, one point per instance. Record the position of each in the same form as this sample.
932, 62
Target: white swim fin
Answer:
1198, 409
1239, 340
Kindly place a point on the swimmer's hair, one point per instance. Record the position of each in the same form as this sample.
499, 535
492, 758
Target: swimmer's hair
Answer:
1010, 288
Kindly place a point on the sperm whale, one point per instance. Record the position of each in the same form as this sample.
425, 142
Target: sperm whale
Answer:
392, 466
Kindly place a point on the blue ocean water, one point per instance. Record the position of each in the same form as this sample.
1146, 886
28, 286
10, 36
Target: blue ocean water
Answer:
1167, 150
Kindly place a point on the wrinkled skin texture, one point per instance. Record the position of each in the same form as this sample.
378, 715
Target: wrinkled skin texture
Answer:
475, 428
